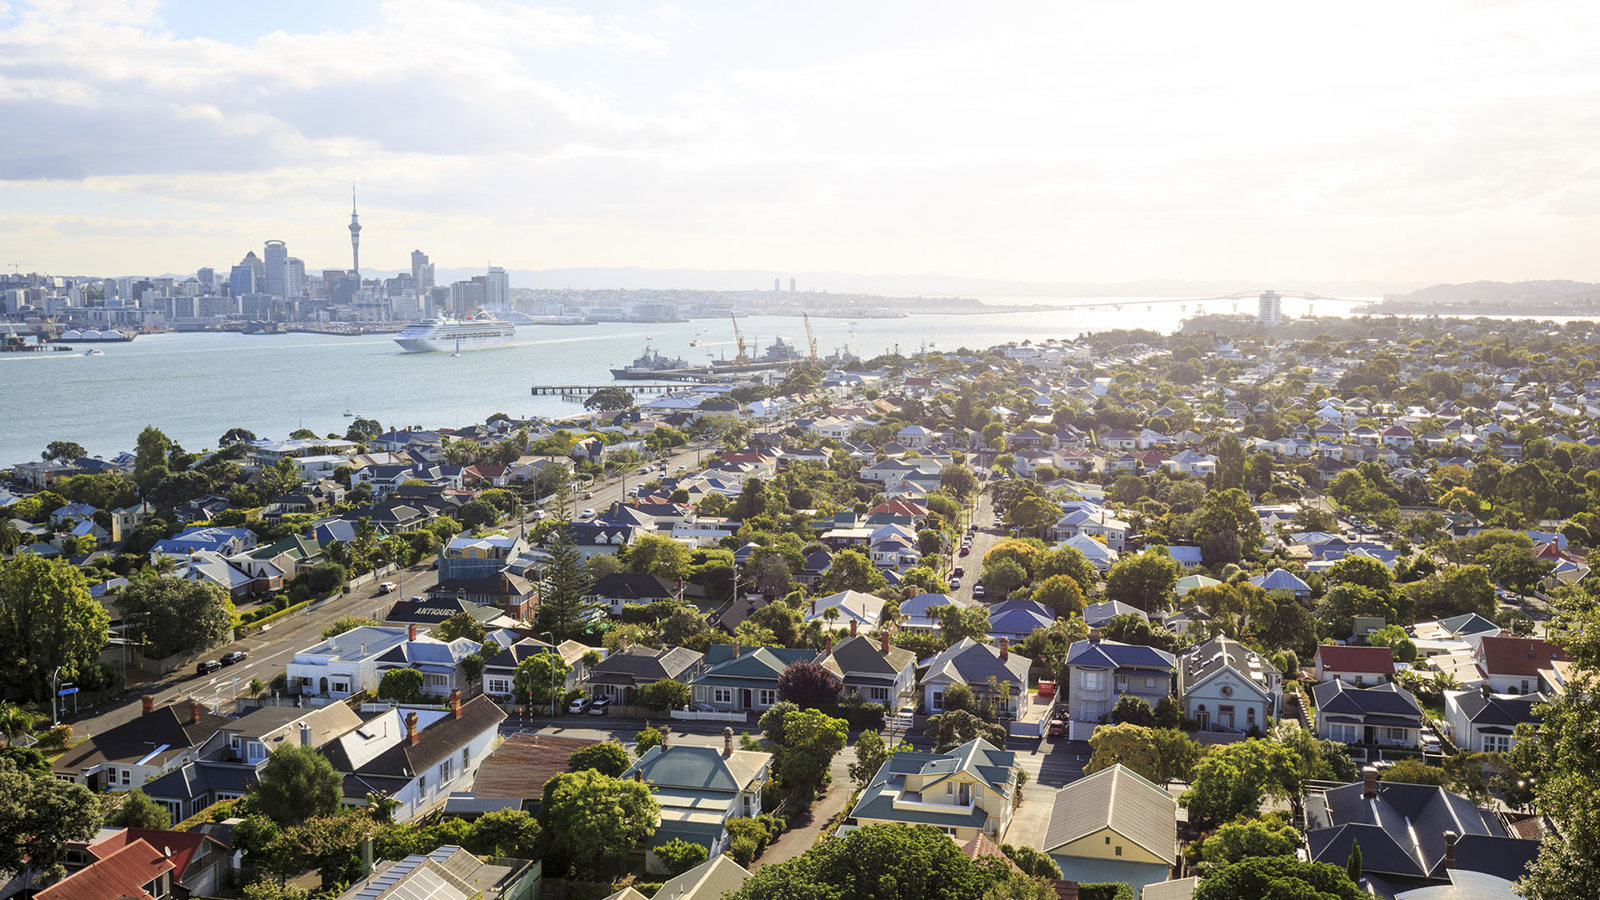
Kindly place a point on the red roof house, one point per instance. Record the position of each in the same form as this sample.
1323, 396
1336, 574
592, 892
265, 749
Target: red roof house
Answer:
1356, 665
135, 870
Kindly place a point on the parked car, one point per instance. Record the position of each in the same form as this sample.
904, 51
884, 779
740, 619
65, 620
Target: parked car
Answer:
959, 571
386, 587
206, 667
955, 584
538, 514
232, 657
599, 707
977, 591
578, 705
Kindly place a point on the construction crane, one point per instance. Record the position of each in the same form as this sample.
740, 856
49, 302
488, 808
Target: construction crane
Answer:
811, 339
742, 358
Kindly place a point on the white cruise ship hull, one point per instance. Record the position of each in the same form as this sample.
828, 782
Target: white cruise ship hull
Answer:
452, 338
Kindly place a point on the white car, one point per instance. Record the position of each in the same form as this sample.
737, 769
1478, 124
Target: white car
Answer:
386, 587
586, 514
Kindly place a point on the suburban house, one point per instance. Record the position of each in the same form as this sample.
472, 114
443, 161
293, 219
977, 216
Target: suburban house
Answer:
229, 761
501, 669
699, 790
438, 661
346, 663
737, 679
1359, 666
1112, 826
964, 792
1100, 672
1225, 685
134, 869
1386, 715
1096, 615
619, 589
128, 755
199, 862
1016, 619
711, 880
416, 756
619, 676
973, 664
449, 873
921, 612
514, 773
1487, 722
874, 670
853, 610
1411, 835
1510, 665
1283, 580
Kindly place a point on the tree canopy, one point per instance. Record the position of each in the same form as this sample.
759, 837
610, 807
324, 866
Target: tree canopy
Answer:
296, 784
176, 616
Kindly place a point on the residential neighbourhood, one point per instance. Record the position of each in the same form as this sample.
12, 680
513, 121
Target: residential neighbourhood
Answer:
1035, 602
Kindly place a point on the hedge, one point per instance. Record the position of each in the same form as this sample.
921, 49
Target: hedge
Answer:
1106, 890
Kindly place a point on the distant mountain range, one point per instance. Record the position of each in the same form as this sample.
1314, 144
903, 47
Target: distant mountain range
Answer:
929, 285
1531, 294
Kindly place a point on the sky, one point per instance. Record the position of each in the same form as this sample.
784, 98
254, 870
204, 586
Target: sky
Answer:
1423, 141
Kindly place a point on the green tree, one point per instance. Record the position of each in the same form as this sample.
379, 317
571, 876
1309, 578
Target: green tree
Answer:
609, 398
1395, 638
176, 616
460, 625
1145, 581
139, 811
851, 571
878, 862
540, 680
1003, 576
1278, 878
957, 622
39, 816
661, 556
63, 452
1062, 594
607, 758
479, 513
401, 685
1232, 779
957, 726
679, 855
505, 832
1033, 863
1071, 562
562, 609
150, 458
665, 694
1159, 754
345, 623
871, 753
1229, 510
648, 736
1267, 836
295, 785
592, 820
805, 746
47, 621
15, 722
363, 430
957, 480
1453, 591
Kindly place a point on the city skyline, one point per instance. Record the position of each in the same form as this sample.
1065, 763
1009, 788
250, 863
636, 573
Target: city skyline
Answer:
1054, 143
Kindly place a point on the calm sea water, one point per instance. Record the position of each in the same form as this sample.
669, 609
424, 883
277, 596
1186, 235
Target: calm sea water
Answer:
194, 387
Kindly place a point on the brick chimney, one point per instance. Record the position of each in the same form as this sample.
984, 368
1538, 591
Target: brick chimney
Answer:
148, 702
1005, 649
411, 632
455, 703
1094, 635
727, 741
666, 736
1369, 782
638, 774
830, 642
883, 640
736, 649
411, 729
1450, 838
622, 642
813, 607
194, 711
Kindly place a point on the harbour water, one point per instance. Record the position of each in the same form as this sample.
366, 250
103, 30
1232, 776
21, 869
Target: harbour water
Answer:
194, 387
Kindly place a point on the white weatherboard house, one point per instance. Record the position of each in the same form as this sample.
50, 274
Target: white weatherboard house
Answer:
1225, 685
346, 663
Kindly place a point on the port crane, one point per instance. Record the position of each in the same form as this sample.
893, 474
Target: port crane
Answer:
738, 336
811, 339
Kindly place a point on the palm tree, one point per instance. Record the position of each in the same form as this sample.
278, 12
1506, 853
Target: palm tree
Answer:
14, 722
10, 536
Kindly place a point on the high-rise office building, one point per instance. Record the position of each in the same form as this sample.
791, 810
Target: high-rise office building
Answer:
355, 238
276, 255
242, 280
1269, 309
294, 282
207, 277
421, 273
497, 289
466, 296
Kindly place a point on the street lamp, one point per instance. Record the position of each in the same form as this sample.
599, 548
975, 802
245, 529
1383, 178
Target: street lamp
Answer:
552, 636
55, 697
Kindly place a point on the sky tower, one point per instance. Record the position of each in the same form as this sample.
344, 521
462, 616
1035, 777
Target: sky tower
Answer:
355, 238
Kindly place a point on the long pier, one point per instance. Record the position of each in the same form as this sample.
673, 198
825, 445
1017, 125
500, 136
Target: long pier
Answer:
582, 392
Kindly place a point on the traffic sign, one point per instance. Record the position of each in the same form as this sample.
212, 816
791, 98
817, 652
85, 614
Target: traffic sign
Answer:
65, 691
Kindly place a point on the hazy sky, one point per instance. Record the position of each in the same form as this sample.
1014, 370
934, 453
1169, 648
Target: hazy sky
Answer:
1403, 141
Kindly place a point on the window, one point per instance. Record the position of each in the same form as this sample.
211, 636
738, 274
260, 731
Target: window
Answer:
1119, 849
422, 785
938, 698
878, 694
768, 697
949, 789
1092, 681
466, 757
724, 695
447, 770
1395, 734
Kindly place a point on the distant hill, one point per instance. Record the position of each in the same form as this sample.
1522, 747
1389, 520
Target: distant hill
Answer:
1529, 294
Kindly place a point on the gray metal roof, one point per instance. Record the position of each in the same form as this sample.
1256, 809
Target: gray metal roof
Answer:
1122, 800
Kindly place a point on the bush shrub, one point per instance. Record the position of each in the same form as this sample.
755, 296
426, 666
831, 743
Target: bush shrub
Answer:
1105, 890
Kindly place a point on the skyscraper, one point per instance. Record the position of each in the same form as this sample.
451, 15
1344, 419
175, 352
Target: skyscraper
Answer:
1269, 312
497, 289
277, 264
207, 277
421, 273
294, 281
242, 280
355, 237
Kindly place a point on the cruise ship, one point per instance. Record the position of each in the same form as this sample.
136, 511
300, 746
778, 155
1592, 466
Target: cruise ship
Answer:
455, 335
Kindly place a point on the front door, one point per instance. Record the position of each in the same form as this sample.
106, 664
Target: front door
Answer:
744, 698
